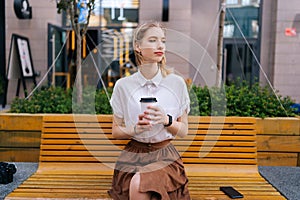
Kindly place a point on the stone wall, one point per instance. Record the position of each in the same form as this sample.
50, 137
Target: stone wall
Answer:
287, 49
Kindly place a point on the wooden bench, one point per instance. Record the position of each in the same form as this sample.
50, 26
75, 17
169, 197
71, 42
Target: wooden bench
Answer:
77, 156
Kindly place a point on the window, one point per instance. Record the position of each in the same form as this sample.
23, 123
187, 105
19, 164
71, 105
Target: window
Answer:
244, 15
108, 42
109, 13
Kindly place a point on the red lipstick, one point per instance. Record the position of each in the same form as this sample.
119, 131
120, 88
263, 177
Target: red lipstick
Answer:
159, 53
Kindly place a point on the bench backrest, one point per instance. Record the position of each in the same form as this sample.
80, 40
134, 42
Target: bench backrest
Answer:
88, 139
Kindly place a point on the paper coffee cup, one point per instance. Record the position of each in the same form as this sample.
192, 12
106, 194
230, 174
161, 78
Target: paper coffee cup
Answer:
147, 101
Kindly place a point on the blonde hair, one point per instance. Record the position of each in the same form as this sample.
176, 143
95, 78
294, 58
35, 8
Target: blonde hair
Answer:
139, 35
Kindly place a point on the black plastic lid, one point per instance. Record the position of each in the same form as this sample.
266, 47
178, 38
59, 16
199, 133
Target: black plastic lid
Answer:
148, 100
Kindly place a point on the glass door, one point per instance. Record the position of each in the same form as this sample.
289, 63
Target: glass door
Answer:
58, 54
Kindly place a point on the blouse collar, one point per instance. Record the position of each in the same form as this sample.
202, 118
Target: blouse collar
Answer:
155, 80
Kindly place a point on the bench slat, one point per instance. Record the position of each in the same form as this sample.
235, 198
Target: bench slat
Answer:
217, 119
117, 153
108, 118
77, 118
187, 138
222, 126
219, 161
90, 127
123, 142
219, 146
107, 131
103, 159
78, 159
69, 125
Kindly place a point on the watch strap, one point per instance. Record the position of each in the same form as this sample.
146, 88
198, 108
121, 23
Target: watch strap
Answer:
170, 121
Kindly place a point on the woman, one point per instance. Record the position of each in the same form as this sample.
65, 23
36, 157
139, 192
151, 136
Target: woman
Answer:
150, 167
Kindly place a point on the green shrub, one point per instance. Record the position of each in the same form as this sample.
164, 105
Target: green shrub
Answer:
58, 100
257, 101
94, 101
233, 100
102, 105
46, 100
240, 100
207, 101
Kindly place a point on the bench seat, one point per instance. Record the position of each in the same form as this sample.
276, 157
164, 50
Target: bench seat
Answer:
78, 153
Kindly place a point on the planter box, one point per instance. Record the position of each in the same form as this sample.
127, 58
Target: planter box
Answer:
278, 139
20, 137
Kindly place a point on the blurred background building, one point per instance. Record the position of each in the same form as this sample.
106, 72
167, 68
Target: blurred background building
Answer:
261, 41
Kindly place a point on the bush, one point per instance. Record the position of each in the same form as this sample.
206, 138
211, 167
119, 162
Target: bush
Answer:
94, 101
59, 100
234, 100
257, 101
46, 100
207, 101
240, 100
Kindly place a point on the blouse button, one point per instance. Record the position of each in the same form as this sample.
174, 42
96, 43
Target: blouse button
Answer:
149, 145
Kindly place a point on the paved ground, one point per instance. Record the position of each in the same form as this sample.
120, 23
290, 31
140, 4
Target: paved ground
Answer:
24, 170
285, 179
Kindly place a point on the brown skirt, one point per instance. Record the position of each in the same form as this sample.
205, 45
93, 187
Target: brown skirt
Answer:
160, 167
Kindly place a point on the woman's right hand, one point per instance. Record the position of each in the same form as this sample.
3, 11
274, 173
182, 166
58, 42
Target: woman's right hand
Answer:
142, 125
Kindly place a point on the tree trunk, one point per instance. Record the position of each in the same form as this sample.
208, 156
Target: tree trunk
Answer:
220, 43
72, 9
78, 82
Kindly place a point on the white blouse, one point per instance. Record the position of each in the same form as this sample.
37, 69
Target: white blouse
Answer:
171, 94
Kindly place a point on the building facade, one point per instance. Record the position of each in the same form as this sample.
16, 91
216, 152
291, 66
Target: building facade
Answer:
193, 39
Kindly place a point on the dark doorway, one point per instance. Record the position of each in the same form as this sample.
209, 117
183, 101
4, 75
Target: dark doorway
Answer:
239, 61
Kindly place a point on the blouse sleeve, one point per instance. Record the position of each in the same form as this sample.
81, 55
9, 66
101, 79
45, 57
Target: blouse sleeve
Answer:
185, 101
116, 102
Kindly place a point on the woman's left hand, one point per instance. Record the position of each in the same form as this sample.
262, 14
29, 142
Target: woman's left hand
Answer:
156, 114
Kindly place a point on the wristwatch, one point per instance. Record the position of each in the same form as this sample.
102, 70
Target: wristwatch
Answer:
170, 121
